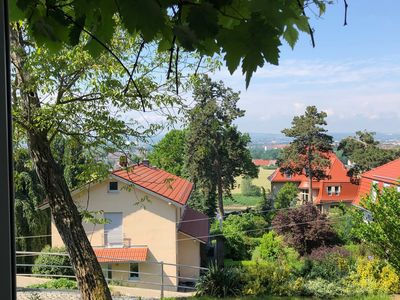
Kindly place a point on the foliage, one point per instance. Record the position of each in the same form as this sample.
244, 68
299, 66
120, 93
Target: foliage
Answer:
249, 189
374, 276
322, 288
168, 153
220, 282
269, 278
216, 152
29, 219
381, 227
287, 196
304, 228
344, 224
260, 153
56, 284
364, 152
209, 28
240, 234
48, 264
308, 152
272, 249
328, 263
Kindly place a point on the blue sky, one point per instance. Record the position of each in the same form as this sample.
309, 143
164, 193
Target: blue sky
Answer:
353, 73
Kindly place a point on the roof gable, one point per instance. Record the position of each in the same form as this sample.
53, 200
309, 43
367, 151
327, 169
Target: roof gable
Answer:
389, 172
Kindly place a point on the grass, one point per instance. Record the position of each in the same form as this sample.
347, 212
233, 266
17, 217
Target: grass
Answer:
376, 297
56, 284
240, 200
261, 181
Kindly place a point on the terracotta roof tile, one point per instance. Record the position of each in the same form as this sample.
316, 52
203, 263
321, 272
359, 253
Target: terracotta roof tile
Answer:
121, 254
264, 162
389, 172
157, 181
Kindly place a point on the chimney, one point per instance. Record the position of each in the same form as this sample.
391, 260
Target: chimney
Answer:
146, 163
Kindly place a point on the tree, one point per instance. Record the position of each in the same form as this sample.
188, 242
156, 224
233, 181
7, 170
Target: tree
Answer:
73, 96
364, 152
216, 152
379, 224
287, 196
305, 228
309, 150
207, 27
168, 154
247, 188
29, 219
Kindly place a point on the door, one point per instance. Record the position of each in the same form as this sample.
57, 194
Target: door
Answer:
113, 230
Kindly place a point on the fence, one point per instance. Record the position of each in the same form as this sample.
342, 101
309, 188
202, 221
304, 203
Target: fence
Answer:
127, 277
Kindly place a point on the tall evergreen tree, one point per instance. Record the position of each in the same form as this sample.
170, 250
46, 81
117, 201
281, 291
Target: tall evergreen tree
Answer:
216, 152
308, 152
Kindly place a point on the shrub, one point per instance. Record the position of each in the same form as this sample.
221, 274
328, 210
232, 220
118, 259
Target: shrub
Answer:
220, 282
46, 264
249, 189
269, 278
56, 284
322, 288
272, 248
328, 263
287, 196
374, 276
310, 229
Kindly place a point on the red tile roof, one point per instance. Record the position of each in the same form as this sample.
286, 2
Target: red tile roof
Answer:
264, 162
337, 176
121, 254
195, 224
157, 181
389, 173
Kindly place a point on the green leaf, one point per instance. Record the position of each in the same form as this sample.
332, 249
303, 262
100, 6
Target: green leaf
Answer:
291, 35
145, 16
203, 20
185, 36
16, 13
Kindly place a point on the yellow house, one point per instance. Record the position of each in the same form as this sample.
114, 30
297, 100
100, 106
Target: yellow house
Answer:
151, 230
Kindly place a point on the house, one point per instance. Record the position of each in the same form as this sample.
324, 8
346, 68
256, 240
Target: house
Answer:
264, 162
387, 175
336, 188
149, 223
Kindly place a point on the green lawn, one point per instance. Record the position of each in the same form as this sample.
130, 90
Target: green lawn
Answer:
240, 200
261, 181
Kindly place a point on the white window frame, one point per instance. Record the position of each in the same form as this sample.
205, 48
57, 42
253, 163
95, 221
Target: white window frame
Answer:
136, 277
113, 191
333, 190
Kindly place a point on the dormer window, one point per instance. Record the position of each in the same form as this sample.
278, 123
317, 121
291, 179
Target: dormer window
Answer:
288, 175
113, 186
333, 190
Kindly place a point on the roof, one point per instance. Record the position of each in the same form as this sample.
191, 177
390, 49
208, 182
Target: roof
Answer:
195, 224
348, 192
337, 172
264, 162
157, 181
121, 254
389, 173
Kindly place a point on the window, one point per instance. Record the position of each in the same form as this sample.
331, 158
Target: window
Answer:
107, 272
113, 186
333, 190
398, 189
304, 196
134, 271
288, 175
386, 185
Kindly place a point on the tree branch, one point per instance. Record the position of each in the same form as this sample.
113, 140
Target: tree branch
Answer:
345, 12
310, 30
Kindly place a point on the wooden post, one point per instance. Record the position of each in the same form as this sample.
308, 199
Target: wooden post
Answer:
162, 280
7, 255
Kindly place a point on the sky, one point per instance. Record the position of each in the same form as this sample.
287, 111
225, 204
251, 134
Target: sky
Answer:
353, 74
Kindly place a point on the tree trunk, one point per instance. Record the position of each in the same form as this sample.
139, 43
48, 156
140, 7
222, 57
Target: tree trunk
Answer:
310, 175
67, 219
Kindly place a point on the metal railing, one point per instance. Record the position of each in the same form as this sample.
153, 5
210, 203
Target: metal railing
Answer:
165, 280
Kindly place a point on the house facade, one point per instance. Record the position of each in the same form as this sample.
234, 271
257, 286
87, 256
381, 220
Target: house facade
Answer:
387, 175
149, 222
336, 188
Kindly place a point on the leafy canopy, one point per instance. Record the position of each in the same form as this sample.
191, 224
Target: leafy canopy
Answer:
287, 196
246, 33
364, 152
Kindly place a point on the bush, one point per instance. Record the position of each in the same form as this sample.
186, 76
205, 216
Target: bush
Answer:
46, 264
220, 282
287, 196
56, 284
328, 263
249, 189
272, 249
322, 288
